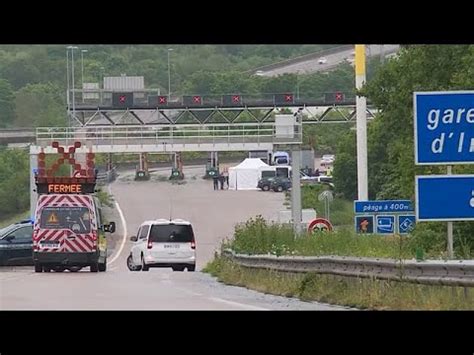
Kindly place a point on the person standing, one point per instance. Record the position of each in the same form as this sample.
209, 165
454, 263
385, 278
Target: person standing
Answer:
221, 181
226, 177
215, 181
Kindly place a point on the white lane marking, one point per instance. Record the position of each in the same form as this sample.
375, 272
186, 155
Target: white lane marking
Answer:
241, 305
122, 218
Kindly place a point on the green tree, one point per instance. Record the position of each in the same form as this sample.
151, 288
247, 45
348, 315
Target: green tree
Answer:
418, 68
14, 181
7, 103
390, 136
40, 105
345, 167
21, 71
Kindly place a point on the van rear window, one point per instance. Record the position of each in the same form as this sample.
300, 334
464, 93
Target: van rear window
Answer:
171, 233
77, 219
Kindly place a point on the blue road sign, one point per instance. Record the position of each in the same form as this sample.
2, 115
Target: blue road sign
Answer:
383, 206
385, 224
364, 224
406, 223
444, 127
445, 198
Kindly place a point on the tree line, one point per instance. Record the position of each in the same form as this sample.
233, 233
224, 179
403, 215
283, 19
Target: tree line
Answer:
391, 166
33, 78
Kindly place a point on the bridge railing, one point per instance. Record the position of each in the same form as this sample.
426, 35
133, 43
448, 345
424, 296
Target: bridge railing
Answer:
173, 134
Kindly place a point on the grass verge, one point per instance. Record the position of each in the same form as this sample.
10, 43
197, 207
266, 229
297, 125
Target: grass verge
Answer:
360, 293
257, 236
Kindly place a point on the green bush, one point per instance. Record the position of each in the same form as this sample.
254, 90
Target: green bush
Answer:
105, 198
14, 181
257, 236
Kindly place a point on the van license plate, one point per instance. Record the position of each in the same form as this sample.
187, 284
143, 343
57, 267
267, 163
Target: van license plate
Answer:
171, 246
50, 245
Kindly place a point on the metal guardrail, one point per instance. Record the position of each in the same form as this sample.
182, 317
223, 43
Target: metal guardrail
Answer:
16, 135
15, 132
106, 177
170, 134
450, 273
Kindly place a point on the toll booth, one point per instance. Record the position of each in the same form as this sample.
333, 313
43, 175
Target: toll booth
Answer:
142, 172
212, 166
177, 170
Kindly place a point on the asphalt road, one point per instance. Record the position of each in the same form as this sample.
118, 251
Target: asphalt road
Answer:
213, 214
312, 66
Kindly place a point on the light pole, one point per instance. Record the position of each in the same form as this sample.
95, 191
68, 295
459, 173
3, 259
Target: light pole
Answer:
67, 74
169, 75
361, 125
82, 71
72, 71
297, 85
101, 80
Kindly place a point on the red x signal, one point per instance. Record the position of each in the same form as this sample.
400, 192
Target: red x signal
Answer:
339, 96
66, 157
288, 98
162, 99
236, 98
197, 99
122, 99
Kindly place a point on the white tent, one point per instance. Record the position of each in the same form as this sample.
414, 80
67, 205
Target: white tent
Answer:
245, 176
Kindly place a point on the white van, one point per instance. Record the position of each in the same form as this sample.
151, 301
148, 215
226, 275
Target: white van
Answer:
163, 243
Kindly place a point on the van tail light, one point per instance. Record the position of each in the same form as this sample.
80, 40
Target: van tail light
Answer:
193, 244
150, 244
94, 240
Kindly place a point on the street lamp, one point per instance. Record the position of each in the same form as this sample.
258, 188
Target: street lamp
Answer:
67, 74
297, 85
82, 71
101, 80
72, 72
169, 75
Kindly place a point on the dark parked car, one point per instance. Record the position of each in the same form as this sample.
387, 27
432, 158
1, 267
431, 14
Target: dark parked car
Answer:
280, 184
265, 183
16, 244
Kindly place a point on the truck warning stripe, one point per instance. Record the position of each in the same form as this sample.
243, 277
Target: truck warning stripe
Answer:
78, 244
46, 200
52, 233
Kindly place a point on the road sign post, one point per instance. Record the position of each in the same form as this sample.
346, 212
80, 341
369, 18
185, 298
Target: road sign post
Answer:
320, 225
296, 213
449, 171
364, 224
385, 224
328, 197
444, 127
444, 134
406, 223
384, 217
445, 198
361, 126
